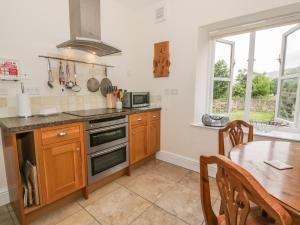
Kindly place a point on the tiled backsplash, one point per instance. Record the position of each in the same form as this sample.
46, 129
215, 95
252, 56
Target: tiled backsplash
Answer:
9, 108
8, 105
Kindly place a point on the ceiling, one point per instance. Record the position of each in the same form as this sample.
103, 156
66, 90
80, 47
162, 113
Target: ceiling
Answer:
137, 3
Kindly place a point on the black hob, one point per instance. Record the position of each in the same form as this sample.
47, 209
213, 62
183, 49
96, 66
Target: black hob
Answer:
95, 112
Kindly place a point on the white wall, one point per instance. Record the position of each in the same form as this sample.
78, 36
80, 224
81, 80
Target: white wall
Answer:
33, 27
182, 30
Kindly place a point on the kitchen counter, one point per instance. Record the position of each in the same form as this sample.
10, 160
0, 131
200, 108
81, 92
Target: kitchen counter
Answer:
19, 124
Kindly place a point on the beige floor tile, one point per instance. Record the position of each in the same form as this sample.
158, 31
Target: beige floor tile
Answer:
120, 207
124, 180
150, 186
96, 195
152, 164
171, 172
14, 218
79, 218
184, 203
191, 180
148, 167
58, 215
214, 190
216, 207
156, 216
5, 218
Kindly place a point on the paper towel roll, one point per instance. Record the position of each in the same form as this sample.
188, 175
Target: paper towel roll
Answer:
24, 105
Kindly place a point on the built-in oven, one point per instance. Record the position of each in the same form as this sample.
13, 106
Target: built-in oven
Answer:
106, 133
107, 162
107, 146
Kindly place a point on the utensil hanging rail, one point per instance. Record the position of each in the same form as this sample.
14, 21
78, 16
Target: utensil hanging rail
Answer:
75, 60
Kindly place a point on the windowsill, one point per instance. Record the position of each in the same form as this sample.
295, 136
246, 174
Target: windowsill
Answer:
283, 135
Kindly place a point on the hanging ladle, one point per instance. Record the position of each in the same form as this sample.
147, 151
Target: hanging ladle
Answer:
50, 76
76, 87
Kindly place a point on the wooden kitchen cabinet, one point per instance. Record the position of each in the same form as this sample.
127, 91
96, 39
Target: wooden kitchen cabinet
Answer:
154, 137
138, 143
62, 161
63, 170
59, 156
144, 135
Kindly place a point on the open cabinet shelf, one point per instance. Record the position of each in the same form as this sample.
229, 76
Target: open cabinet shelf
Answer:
28, 171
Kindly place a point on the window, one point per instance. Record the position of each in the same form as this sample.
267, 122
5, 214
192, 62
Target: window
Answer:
256, 75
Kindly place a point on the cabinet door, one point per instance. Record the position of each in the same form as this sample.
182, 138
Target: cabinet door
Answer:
154, 136
63, 170
138, 143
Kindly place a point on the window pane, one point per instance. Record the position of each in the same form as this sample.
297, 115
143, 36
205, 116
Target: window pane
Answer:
221, 97
287, 99
292, 54
240, 72
222, 59
266, 71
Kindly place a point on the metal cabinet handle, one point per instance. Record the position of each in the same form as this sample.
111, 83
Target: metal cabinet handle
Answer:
139, 119
62, 133
154, 116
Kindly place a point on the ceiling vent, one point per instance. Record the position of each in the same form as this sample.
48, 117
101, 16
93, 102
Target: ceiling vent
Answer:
160, 13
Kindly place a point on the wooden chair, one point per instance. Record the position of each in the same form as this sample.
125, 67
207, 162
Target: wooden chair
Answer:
236, 187
236, 134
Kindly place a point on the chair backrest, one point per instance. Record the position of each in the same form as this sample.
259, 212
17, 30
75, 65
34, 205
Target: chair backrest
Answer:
236, 134
236, 187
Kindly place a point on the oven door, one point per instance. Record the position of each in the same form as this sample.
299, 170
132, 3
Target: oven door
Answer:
107, 162
106, 137
140, 99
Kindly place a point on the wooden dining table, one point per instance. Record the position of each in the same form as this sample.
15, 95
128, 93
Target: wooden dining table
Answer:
284, 185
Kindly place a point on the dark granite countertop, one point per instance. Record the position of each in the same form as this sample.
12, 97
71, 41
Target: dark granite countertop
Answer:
19, 124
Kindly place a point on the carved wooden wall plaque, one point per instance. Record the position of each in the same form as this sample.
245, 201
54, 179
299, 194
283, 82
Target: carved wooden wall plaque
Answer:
161, 62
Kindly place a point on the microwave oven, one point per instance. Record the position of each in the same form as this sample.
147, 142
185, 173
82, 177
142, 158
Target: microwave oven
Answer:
136, 99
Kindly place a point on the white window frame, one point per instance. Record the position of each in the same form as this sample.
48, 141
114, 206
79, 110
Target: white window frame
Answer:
293, 126
227, 79
282, 77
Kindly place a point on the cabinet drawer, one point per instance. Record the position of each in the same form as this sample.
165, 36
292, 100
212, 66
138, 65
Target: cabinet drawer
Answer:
136, 119
60, 133
155, 115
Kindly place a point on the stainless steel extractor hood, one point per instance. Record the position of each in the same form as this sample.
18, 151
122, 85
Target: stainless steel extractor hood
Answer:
85, 29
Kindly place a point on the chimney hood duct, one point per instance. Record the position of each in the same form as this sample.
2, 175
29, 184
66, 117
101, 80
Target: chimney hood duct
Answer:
85, 29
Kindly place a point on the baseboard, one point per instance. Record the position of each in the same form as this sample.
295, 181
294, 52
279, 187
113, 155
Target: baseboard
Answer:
4, 196
184, 162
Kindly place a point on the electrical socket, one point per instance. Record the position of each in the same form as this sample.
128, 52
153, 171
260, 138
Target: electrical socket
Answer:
174, 91
32, 90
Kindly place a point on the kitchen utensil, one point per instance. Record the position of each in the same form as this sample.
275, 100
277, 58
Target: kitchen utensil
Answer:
93, 84
76, 87
119, 104
50, 76
61, 74
69, 84
105, 83
22, 88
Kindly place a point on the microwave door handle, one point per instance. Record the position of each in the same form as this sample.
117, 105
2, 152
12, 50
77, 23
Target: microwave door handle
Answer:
106, 128
108, 150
